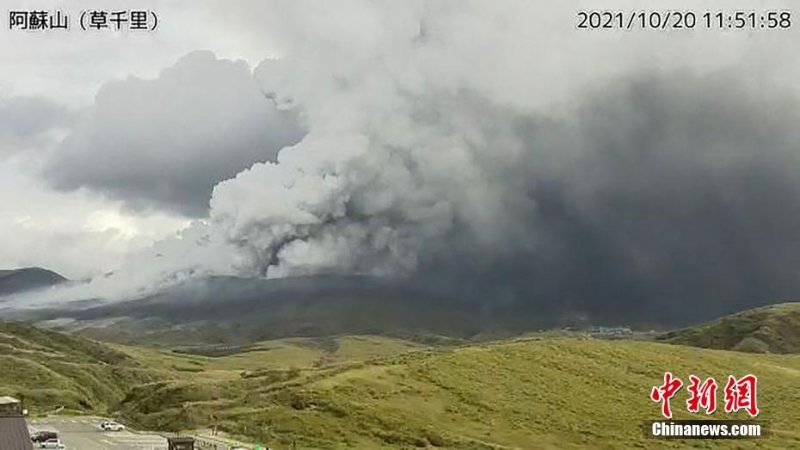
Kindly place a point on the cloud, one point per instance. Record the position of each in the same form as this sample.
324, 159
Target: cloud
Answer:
628, 176
70, 67
165, 143
634, 191
30, 123
76, 234
664, 196
667, 197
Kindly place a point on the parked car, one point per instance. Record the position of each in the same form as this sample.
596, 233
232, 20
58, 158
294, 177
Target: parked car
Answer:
52, 444
41, 436
108, 425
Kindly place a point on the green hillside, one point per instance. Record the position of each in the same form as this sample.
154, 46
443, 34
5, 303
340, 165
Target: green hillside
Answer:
51, 370
773, 329
369, 392
556, 393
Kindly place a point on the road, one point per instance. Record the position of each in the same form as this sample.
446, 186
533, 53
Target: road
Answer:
83, 433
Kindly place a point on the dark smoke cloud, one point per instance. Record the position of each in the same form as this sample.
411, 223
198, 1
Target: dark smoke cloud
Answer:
667, 198
165, 143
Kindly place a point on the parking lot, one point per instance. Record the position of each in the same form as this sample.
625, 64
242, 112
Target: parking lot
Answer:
83, 433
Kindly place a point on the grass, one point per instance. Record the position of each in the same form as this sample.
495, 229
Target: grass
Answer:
773, 329
50, 370
556, 393
368, 392
279, 354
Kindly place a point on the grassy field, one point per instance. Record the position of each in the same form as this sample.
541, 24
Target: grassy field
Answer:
531, 393
368, 392
281, 355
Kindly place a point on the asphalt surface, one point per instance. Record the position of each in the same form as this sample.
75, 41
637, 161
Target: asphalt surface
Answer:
84, 433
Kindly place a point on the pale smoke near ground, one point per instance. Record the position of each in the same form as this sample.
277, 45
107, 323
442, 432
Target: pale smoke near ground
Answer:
493, 147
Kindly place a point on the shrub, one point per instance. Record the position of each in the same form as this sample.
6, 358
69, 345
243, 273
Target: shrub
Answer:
751, 345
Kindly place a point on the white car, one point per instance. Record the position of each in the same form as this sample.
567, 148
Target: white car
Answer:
108, 425
52, 443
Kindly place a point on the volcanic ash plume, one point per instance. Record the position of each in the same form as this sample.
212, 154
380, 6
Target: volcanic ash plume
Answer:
368, 196
449, 143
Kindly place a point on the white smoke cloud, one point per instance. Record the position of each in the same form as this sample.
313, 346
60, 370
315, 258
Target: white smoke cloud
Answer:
411, 111
400, 153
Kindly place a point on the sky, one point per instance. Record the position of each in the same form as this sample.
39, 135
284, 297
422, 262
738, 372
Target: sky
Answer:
51, 82
276, 138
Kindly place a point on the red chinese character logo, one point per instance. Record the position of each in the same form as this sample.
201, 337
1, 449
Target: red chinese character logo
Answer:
665, 392
741, 394
702, 396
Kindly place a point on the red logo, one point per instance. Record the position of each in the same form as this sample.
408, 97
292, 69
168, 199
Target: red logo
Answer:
704, 396
739, 394
665, 392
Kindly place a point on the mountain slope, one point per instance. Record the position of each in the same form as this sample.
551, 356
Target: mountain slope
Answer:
774, 329
49, 370
235, 310
549, 393
27, 279
366, 392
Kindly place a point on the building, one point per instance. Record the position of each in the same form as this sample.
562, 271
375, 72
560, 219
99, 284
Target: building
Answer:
181, 443
610, 332
10, 407
14, 433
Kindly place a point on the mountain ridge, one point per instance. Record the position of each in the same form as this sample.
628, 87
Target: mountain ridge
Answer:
15, 281
768, 329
